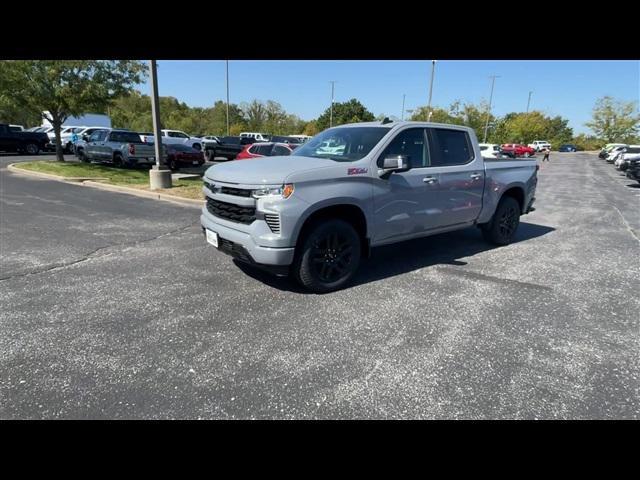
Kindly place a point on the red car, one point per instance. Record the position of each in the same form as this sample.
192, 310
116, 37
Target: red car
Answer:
265, 149
517, 150
182, 155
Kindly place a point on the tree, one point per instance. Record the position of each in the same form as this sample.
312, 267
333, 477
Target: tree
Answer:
311, 129
347, 112
614, 120
65, 88
255, 114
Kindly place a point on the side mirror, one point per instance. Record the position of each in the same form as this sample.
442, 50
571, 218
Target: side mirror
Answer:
395, 163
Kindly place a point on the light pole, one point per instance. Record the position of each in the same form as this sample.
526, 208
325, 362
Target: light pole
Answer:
228, 98
404, 95
159, 176
332, 82
486, 125
529, 101
433, 71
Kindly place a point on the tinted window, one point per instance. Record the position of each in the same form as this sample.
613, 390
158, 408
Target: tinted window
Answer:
263, 149
178, 135
411, 143
280, 150
128, 137
450, 147
483, 148
633, 150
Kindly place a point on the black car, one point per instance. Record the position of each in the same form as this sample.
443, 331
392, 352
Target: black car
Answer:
568, 147
633, 170
284, 139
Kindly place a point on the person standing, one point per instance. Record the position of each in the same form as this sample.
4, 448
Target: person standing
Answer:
547, 151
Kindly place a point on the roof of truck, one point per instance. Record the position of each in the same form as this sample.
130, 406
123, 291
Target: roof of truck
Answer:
402, 123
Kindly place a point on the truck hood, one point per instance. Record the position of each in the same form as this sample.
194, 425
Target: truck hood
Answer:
264, 170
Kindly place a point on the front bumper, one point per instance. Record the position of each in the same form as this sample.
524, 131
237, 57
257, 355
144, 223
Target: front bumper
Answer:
255, 254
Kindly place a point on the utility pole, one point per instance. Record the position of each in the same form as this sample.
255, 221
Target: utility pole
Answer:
332, 82
159, 175
403, 97
486, 125
433, 71
228, 98
529, 101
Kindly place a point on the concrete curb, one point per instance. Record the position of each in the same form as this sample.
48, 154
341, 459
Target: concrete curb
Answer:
89, 182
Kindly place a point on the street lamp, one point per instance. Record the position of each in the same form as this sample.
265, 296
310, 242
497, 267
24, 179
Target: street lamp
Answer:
529, 101
433, 71
486, 126
159, 175
332, 82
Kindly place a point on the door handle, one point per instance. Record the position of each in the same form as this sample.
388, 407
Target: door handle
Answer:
429, 179
476, 176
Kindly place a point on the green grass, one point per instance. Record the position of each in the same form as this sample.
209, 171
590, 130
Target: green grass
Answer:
136, 178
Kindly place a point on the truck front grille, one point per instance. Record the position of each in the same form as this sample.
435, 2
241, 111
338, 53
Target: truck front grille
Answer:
229, 211
273, 220
239, 192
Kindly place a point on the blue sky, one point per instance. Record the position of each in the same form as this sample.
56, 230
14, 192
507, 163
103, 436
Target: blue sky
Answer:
567, 88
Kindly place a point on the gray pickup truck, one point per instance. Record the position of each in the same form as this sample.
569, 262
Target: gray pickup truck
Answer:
316, 213
123, 148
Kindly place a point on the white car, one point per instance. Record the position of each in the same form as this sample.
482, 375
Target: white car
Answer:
173, 137
260, 137
622, 159
613, 153
540, 145
490, 150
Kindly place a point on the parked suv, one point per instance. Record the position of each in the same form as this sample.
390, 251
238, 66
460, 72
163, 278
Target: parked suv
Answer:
539, 145
314, 214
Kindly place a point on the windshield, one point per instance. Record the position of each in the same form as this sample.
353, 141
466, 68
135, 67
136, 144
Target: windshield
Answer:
343, 144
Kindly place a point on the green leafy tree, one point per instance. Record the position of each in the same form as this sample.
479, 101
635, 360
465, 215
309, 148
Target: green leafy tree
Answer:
346, 112
311, 128
614, 120
66, 88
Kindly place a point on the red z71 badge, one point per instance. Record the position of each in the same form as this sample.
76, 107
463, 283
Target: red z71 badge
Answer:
356, 171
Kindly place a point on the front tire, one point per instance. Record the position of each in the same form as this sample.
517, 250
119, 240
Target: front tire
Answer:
329, 256
504, 223
31, 149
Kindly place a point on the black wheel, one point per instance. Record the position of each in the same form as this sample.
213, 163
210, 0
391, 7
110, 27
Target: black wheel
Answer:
328, 257
82, 156
173, 164
504, 223
68, 148
209, 155
118, 162
31, 149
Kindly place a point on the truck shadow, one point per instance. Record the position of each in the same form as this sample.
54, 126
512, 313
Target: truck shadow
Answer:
399, 258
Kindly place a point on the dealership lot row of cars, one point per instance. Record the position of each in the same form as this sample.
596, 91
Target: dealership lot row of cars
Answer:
625, 158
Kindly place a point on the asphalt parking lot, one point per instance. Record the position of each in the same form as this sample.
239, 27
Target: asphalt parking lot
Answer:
114, 306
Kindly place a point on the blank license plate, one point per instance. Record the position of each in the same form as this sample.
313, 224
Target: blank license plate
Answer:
195, 162
212, 238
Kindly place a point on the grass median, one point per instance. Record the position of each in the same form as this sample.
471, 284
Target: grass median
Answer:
135, 178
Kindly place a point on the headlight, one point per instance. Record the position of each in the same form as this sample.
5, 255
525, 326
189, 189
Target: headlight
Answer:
285, 191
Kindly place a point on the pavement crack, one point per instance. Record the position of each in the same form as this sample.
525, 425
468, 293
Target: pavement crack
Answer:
94, 254
491, 278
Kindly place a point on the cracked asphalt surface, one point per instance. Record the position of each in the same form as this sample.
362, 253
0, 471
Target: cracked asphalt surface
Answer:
114, 306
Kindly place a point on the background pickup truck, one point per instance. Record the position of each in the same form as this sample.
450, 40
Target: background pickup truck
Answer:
14, 140
176, 137
121, 147
314, 214
226, 147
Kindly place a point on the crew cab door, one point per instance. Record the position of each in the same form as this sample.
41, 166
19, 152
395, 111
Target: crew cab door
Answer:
407, 203
461, 176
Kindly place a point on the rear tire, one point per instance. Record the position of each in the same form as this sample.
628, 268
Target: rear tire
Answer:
328, 257
504, 223
173, 165
118, 162
209, 155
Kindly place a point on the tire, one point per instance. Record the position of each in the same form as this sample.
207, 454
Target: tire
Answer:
82, 156
209, 155
504, 223
328, 257
31, 149
172, 164
118, 162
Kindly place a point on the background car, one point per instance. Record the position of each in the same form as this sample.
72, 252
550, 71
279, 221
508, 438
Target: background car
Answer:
265, 149
517, 150
182, 155
490, 150
568, 147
